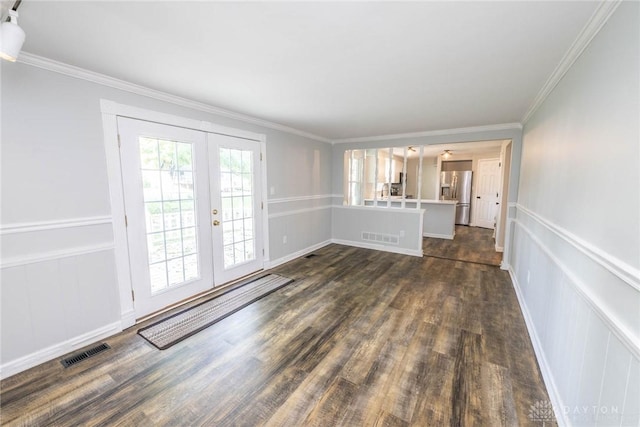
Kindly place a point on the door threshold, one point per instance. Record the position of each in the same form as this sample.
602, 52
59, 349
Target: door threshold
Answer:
214, 292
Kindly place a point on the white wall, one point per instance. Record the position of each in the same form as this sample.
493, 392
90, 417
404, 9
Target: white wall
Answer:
401, 228
439, 220
59, 286
575, 256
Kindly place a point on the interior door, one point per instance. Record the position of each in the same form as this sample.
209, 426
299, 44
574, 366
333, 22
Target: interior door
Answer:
236, 208
166, 189
488, 184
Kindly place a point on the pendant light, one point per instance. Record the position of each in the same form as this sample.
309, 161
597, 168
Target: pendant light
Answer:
11, 36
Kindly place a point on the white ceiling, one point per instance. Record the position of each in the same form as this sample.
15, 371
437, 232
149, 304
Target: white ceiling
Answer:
334, 69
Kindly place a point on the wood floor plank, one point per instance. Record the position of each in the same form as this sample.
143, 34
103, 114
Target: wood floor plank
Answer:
332, 407
360, 337
466, 394
434, 407
405, 390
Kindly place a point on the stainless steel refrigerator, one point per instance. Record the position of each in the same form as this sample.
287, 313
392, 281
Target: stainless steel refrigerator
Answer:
456, 185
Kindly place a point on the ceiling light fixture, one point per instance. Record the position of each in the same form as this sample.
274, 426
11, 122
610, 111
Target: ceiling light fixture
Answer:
446, 154
11, 35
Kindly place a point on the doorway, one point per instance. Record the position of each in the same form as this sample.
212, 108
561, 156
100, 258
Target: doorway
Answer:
192, 201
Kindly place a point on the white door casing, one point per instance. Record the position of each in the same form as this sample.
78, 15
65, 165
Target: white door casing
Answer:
487, 192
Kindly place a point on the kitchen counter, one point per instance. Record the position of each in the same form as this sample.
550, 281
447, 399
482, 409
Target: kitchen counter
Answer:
439, 215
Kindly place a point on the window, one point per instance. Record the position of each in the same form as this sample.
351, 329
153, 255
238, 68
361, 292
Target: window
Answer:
378, 177
170, 211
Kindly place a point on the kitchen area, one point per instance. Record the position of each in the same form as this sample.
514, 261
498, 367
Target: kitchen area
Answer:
448, 182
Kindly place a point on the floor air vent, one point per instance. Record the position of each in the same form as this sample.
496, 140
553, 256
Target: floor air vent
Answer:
79, 357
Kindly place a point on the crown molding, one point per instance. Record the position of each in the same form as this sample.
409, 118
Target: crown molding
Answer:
102, 79
487, 128
592, 27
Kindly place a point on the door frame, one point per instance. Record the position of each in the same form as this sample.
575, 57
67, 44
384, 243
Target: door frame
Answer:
110, 111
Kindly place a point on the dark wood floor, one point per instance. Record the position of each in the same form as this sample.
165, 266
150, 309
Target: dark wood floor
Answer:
360, 338
472, 244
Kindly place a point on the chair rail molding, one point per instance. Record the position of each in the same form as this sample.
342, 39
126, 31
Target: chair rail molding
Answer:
28, 227
622, 270
626, 336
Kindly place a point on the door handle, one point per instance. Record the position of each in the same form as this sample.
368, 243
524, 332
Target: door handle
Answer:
216, 222
477, 197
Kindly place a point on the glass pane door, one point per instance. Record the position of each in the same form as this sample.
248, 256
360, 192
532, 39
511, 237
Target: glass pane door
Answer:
236, 207
238, 200
165, 174
170, 211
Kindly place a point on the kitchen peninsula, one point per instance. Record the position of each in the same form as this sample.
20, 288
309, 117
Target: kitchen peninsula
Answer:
439, 215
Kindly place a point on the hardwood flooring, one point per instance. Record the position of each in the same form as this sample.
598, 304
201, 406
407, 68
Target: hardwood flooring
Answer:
471, 244
360, 338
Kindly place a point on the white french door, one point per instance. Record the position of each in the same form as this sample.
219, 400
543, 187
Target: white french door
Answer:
170, 183
166, 191
236, 207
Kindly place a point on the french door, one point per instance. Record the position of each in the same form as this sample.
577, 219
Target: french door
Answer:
170, 182
236, 207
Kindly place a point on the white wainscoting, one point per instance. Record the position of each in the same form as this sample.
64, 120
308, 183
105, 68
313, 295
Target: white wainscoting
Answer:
297, 226
585, 340
59, 289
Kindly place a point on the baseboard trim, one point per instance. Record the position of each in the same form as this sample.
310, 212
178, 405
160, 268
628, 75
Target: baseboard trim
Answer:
127, 319
276, 262
47, 354
439, 236
375, 247
547, 376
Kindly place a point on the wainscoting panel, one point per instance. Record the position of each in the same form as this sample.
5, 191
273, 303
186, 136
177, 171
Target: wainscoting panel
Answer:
297, 225
581, 328
22, 245
59, 289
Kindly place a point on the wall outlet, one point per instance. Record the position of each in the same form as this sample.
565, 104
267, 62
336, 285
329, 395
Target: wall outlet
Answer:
284, 240
401, 233
272, 190
528, 276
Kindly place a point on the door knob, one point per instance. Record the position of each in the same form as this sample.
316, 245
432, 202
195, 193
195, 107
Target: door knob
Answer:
216, 222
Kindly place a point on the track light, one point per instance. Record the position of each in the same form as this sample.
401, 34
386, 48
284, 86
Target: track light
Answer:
11, 37
446, 154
